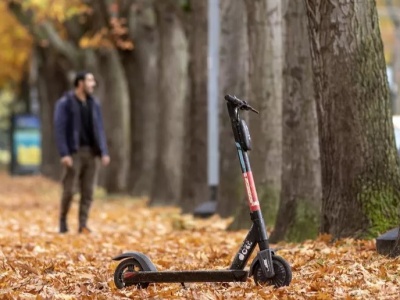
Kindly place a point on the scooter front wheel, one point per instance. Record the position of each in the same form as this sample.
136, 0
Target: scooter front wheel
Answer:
126, 269
283, 273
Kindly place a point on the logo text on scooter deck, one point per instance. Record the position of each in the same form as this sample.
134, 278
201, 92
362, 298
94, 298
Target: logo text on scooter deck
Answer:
251, 191
245, 249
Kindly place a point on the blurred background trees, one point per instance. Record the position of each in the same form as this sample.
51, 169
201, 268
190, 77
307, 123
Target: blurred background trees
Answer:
150, 59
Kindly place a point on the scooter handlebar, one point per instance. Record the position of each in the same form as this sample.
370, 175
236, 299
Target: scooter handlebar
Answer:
241, 104
235, 101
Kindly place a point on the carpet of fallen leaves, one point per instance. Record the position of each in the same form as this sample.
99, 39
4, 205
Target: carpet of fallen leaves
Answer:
38, 263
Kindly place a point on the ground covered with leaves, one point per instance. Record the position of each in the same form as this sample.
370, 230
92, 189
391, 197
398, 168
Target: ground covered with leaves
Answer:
38, 263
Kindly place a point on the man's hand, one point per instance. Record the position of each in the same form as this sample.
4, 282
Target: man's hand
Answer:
67, 161
105, 160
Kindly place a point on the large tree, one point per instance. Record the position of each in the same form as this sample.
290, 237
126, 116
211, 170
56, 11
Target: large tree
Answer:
264, 38
233, 80
194, 185
298, 214
50, 65
172, 89
141, 67
359, 164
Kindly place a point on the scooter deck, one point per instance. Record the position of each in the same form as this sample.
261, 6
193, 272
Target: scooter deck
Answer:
186, 276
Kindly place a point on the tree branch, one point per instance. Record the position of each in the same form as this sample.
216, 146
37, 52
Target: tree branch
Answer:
104, 13
25, 19
43, 31
64, 47
124, 7
75, 29
108, 16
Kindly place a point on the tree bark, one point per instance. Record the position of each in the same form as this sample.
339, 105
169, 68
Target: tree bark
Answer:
172, 89
53, 68
233, 80
359, 164
263, 27
141, 69
195, 184
115, 108
298, 214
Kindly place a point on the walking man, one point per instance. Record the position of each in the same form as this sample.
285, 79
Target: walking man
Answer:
81, 141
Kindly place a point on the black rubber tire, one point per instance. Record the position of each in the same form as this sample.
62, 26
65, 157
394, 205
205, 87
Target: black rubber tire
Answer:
282, 277
134, 265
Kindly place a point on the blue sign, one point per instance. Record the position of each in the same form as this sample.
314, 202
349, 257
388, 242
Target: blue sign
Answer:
27, 121
26, 144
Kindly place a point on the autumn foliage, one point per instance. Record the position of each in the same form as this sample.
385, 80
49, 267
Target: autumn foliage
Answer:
38, 263
18, 35
16, 41
16, 44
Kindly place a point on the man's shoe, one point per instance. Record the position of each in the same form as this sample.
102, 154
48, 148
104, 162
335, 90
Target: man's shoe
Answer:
63, 226
84, 230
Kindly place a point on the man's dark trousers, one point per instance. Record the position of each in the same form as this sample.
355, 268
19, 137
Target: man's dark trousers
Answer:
81, 177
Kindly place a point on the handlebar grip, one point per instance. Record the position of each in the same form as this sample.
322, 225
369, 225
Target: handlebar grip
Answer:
229, 98
233, 100
242, 104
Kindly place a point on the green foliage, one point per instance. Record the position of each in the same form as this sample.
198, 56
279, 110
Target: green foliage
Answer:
15, 43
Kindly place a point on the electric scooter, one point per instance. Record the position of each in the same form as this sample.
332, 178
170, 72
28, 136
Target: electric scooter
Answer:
267, 268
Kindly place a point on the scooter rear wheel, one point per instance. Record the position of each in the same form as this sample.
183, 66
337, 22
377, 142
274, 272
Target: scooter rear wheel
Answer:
282, 277
125, 269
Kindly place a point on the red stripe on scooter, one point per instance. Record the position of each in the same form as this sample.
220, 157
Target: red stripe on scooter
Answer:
251, 191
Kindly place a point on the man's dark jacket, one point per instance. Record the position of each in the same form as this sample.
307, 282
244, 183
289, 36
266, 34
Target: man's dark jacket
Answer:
67, 123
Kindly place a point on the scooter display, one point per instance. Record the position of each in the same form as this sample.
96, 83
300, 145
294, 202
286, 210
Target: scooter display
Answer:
268, 268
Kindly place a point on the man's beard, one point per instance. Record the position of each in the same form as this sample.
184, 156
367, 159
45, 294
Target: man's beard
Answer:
87, 92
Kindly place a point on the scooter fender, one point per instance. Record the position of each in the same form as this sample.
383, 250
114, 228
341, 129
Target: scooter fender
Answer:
143, 260
255, 260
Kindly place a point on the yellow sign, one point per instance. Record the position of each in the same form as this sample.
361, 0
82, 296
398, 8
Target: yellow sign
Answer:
29, 156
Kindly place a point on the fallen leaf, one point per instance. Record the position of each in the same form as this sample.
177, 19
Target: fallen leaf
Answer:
38, 263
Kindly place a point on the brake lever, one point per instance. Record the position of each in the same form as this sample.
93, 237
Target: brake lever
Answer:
245, 106
242, 103
253, 110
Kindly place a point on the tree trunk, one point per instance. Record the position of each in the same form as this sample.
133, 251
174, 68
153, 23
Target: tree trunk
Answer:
359, 164
195, 184
115, 108
298, 214
141, 69
233, 80
52, 84
22, 95
263, 22
172, 88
